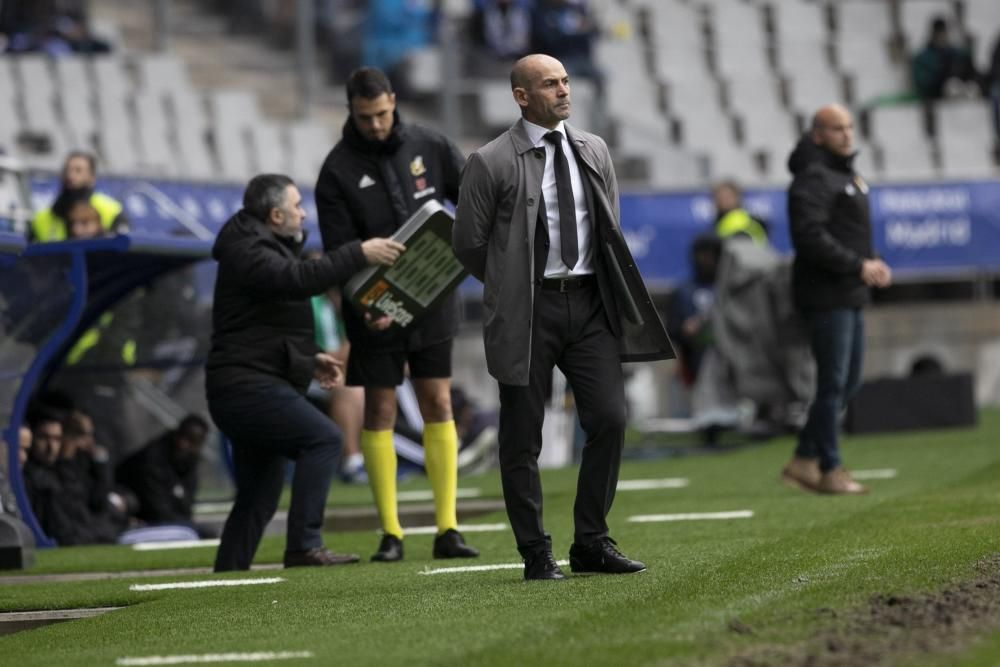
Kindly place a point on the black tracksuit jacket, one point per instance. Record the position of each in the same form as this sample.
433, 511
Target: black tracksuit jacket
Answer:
262, 321
830, 228
368, 189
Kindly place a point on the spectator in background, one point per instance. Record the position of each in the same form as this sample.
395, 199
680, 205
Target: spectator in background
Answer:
834, 269
346, 405
691, 307
79, 178
393, 30
83, 221
731, 219
8, 504
940, 65
502, 29
98, 513
163, 475
565, 30
49, 27
41, 478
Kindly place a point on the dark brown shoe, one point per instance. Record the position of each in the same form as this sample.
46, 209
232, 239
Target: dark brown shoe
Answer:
319, 556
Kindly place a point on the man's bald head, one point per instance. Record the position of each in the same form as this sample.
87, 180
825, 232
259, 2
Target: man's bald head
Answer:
541, 88
833, 129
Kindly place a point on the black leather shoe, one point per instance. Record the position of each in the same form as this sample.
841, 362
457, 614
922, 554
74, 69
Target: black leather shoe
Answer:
542, 566
602, 556
450, 544
390, 549
318, 556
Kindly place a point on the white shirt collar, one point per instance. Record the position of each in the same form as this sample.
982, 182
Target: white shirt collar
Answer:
537, 133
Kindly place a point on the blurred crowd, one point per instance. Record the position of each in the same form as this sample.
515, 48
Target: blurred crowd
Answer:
53, 27
81, 495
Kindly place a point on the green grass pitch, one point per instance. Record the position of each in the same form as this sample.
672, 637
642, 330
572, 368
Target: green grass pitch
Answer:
767, 575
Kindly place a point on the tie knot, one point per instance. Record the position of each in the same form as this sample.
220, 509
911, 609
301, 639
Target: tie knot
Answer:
554, 137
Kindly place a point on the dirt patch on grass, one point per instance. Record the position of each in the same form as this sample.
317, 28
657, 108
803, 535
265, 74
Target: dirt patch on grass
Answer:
892, 626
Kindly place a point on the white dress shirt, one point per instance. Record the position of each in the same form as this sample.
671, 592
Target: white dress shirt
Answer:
554, 266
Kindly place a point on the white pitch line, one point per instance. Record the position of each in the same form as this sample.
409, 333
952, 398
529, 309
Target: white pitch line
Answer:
692, 516
648, 484
259, 656
213, 583
424, 495
481, 568
878, 473
464, 528
174, 544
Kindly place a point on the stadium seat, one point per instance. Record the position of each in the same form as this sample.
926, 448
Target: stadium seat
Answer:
157, 156
900, 134
309, 142
797, 20
869, 71
233, 113
756, 102
739, 46
425, 71
76, 92
861, 20
10, 121
497, 109
865, 162
191, 127
41, 111
667, 165
161, 72
270, 148
962, 126
982, 21
808, 91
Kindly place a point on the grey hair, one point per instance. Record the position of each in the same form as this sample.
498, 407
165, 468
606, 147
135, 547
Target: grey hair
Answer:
265, 192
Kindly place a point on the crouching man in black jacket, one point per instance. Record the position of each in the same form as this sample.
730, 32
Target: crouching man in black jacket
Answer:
263, 357
835, 268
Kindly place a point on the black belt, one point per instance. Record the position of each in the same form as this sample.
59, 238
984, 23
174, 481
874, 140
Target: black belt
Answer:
569, 283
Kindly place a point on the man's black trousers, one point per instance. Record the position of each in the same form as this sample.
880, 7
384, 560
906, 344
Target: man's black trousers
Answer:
268, 424
569, 330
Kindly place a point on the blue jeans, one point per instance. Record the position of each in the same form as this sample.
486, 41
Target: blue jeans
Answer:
837, 341
269, 423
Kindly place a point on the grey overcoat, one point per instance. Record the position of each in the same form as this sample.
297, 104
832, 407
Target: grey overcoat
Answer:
494, 237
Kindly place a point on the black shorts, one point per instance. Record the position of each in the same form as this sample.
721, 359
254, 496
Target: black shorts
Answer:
381, 368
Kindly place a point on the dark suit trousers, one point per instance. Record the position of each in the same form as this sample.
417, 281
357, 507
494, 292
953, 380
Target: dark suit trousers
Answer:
268, 424
570, 331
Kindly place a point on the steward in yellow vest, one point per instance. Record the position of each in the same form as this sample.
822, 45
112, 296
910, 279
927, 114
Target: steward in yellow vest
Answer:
734, 220
79, 176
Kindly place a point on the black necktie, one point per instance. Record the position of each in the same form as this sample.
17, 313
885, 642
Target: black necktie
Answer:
567, 205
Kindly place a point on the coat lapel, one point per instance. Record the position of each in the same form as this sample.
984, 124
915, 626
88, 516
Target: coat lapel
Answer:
534, 169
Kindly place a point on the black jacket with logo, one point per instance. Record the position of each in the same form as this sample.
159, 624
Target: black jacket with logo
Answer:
262, 321
831, 231
368, 189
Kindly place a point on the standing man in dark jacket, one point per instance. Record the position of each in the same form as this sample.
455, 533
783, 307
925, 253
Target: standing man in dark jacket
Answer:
538, 223
835, 267
262, 358
373, 180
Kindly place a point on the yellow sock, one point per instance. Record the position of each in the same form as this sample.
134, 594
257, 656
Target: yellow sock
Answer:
380, 464
441, 462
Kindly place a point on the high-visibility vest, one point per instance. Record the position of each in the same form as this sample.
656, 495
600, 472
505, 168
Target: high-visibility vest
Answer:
47, 226
738, 221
